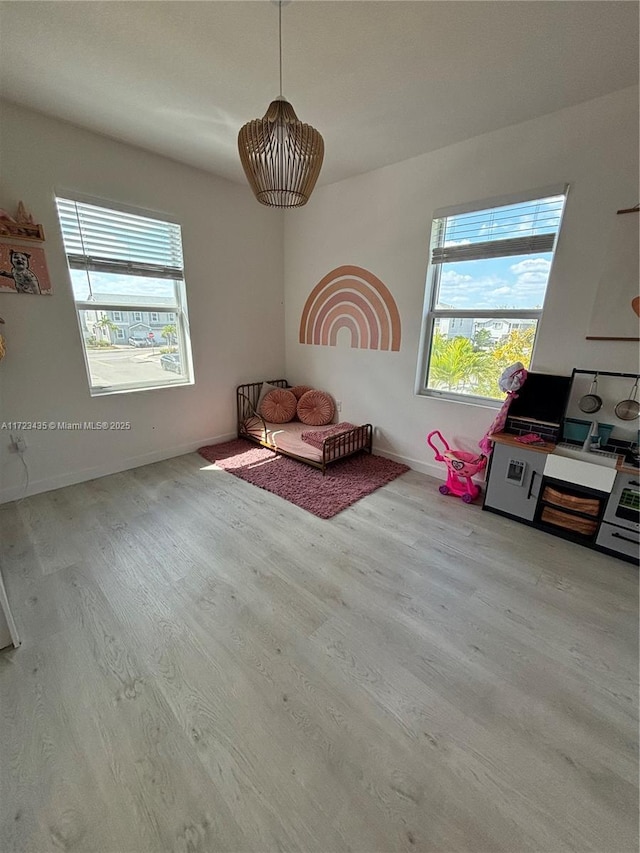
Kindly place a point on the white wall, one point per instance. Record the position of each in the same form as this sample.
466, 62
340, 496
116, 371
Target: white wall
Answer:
233, 264
382, 221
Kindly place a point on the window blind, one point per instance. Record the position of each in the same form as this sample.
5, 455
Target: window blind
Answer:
494, 249
104, 240
516, 229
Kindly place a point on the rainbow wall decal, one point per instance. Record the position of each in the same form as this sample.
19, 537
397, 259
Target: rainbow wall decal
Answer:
351, 298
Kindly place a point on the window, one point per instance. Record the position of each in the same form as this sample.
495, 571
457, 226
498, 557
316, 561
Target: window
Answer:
124, 268
155, 317
486, 285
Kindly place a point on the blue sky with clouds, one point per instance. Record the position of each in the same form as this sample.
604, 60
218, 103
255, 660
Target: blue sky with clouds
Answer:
513, 282
123, 288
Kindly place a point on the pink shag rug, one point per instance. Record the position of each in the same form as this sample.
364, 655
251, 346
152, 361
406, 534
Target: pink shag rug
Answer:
344, 483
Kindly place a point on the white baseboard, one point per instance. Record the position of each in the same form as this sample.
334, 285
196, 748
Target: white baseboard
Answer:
69, 478
433, 469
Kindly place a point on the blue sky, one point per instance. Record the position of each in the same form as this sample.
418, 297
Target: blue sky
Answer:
123, 288
514, 282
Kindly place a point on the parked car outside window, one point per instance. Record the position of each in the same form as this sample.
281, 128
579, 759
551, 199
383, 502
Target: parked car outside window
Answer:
171, 361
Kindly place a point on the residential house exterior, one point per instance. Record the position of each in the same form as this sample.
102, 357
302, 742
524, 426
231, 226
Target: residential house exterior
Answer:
468, 327
499, 329
140, 325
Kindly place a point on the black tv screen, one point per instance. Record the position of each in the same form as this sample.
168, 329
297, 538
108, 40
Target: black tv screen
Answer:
543, 397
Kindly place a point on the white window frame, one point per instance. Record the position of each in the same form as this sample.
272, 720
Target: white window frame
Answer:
431, 313
178, 308
154, 316
120, 334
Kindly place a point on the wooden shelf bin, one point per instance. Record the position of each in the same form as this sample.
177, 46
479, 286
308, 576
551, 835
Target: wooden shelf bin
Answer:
575, 523
583, 505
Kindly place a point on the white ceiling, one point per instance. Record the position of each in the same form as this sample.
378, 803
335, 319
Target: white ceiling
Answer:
382, 81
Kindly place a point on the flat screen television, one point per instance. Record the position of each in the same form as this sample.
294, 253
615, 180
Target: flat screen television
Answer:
543, 397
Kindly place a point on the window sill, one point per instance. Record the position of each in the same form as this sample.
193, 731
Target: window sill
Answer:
108, 392
466, 400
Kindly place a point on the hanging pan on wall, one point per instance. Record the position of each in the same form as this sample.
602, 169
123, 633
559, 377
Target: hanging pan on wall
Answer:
591, 402
628, 410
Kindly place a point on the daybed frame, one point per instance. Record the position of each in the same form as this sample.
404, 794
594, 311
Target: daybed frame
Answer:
333, 448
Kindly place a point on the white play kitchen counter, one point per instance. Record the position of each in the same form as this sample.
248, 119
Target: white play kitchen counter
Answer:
588, 497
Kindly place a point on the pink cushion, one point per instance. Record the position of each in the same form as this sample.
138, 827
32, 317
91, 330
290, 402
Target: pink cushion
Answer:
315, 408
299, 390
278, 406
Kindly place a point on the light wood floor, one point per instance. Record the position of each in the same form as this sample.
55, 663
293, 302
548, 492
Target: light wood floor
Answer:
208, 668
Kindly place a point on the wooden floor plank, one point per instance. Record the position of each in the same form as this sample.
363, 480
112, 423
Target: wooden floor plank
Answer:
206, 667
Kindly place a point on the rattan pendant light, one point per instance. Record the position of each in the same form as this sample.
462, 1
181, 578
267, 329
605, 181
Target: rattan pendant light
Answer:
280, 155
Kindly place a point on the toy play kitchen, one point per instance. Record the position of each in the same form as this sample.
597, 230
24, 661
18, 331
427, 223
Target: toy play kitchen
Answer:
576, 473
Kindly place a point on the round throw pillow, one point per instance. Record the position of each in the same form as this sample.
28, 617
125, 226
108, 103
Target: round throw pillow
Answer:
315, 408
278, 406
299, 390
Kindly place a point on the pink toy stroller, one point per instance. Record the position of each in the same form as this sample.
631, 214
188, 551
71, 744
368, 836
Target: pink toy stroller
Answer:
461, 466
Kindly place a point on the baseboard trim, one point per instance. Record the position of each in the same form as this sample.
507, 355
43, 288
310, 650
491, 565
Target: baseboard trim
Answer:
433, 469
69, 478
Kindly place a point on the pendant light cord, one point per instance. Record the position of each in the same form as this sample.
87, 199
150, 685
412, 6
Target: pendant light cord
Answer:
280, 40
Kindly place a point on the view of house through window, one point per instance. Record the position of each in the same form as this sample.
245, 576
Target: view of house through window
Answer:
486, 286
128, 285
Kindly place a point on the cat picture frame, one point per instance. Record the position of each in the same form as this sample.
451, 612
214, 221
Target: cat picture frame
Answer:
23, 269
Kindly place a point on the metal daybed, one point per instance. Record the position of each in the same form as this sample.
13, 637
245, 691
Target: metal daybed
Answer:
286, 438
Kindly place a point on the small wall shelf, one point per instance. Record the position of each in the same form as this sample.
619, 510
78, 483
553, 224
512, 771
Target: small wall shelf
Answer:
21, 231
